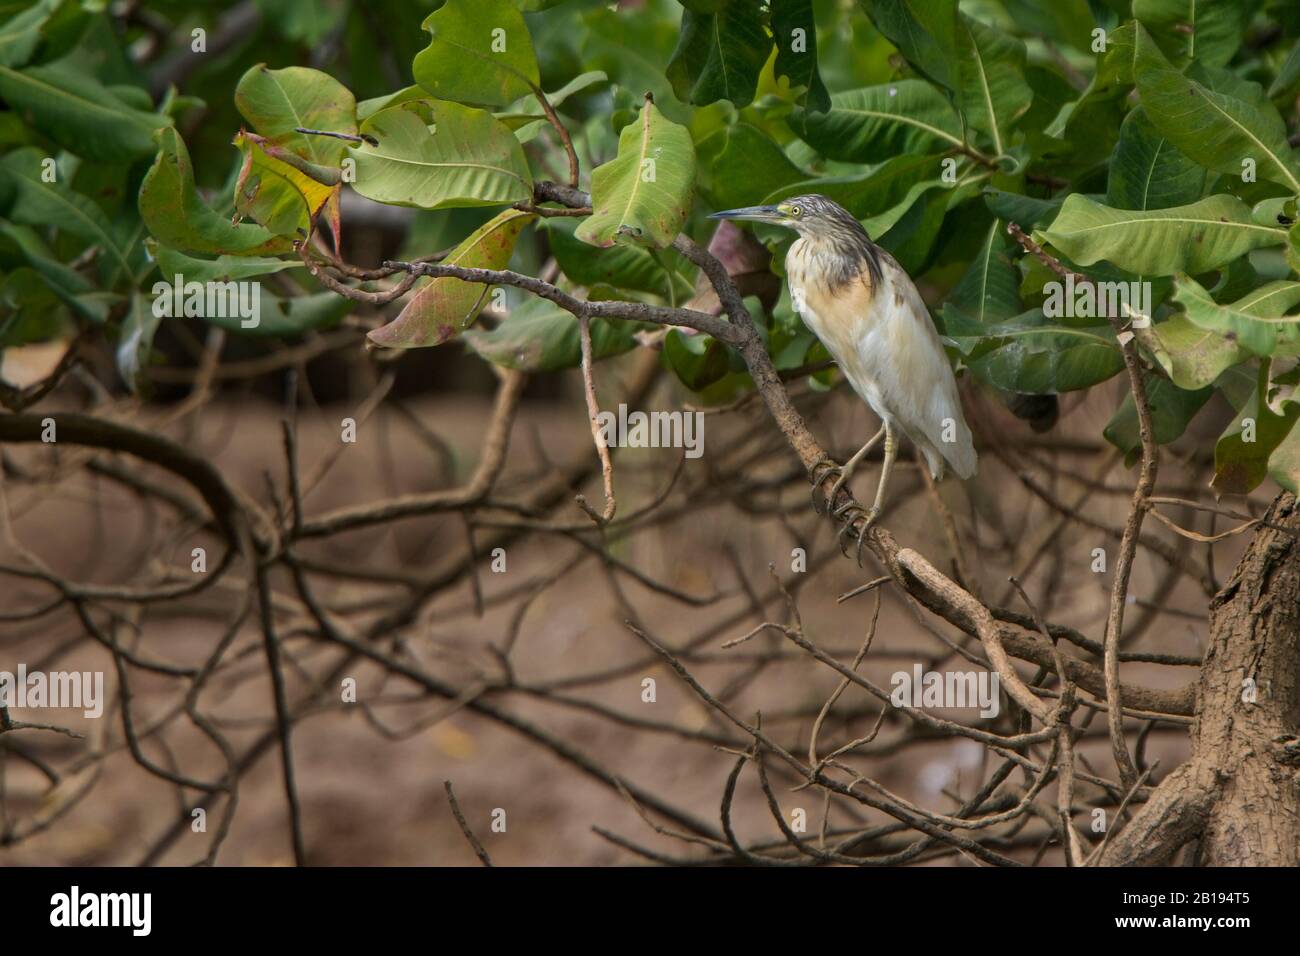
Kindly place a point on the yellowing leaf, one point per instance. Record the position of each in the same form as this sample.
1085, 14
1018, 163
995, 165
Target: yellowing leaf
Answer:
275, 194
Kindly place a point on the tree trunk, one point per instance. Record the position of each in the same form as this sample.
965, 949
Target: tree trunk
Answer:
1238, 797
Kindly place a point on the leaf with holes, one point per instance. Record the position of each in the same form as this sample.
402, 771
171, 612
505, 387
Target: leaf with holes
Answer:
273, 193
644, 193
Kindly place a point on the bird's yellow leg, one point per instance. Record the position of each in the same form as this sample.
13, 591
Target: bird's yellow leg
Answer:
851, 465
891, 452
850, 512
844, 472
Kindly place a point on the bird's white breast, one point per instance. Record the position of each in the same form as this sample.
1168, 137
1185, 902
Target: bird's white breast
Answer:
844, 319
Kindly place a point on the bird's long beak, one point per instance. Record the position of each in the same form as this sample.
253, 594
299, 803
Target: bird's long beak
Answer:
752, 213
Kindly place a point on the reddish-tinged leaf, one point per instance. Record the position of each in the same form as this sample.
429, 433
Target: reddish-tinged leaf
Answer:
446, 306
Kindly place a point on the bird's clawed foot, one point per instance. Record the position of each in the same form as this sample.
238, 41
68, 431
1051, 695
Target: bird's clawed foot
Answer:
819, 478
850, 514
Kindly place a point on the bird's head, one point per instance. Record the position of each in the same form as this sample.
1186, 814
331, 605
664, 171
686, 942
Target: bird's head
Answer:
812, 216
825, 226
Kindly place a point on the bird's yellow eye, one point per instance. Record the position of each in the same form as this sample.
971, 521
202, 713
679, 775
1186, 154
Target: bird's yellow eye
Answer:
795, 212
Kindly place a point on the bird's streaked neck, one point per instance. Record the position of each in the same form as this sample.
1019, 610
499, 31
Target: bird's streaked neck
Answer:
844, 253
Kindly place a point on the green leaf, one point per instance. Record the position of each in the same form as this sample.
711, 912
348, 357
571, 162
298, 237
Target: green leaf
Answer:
644, 193
1219, 128
1033, 355
1284, 463
697, 360
278, 101
29, 310
41, 203
21, 33
287, 317
368, 108
993, 88
796, 52
911, 237
1257, 321
440, 155
1149, 172
1027, 211
480, 52
719, 55
532, 6
925, 32
1172, 408
1193, 357
1240, 465
305, 21
748, 166
172, 263
74, 289
1089, 124
1194, 238
445, 306
79, 114
253, 312
621, 266
877, 123
1288, 75
989, 291
1209, 31
539, 336
522, 116
174, 212
632, 50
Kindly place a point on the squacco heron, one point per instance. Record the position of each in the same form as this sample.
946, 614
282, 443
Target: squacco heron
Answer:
863, 306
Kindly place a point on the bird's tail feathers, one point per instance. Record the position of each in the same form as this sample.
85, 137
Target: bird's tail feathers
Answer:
959, 456
964, 460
